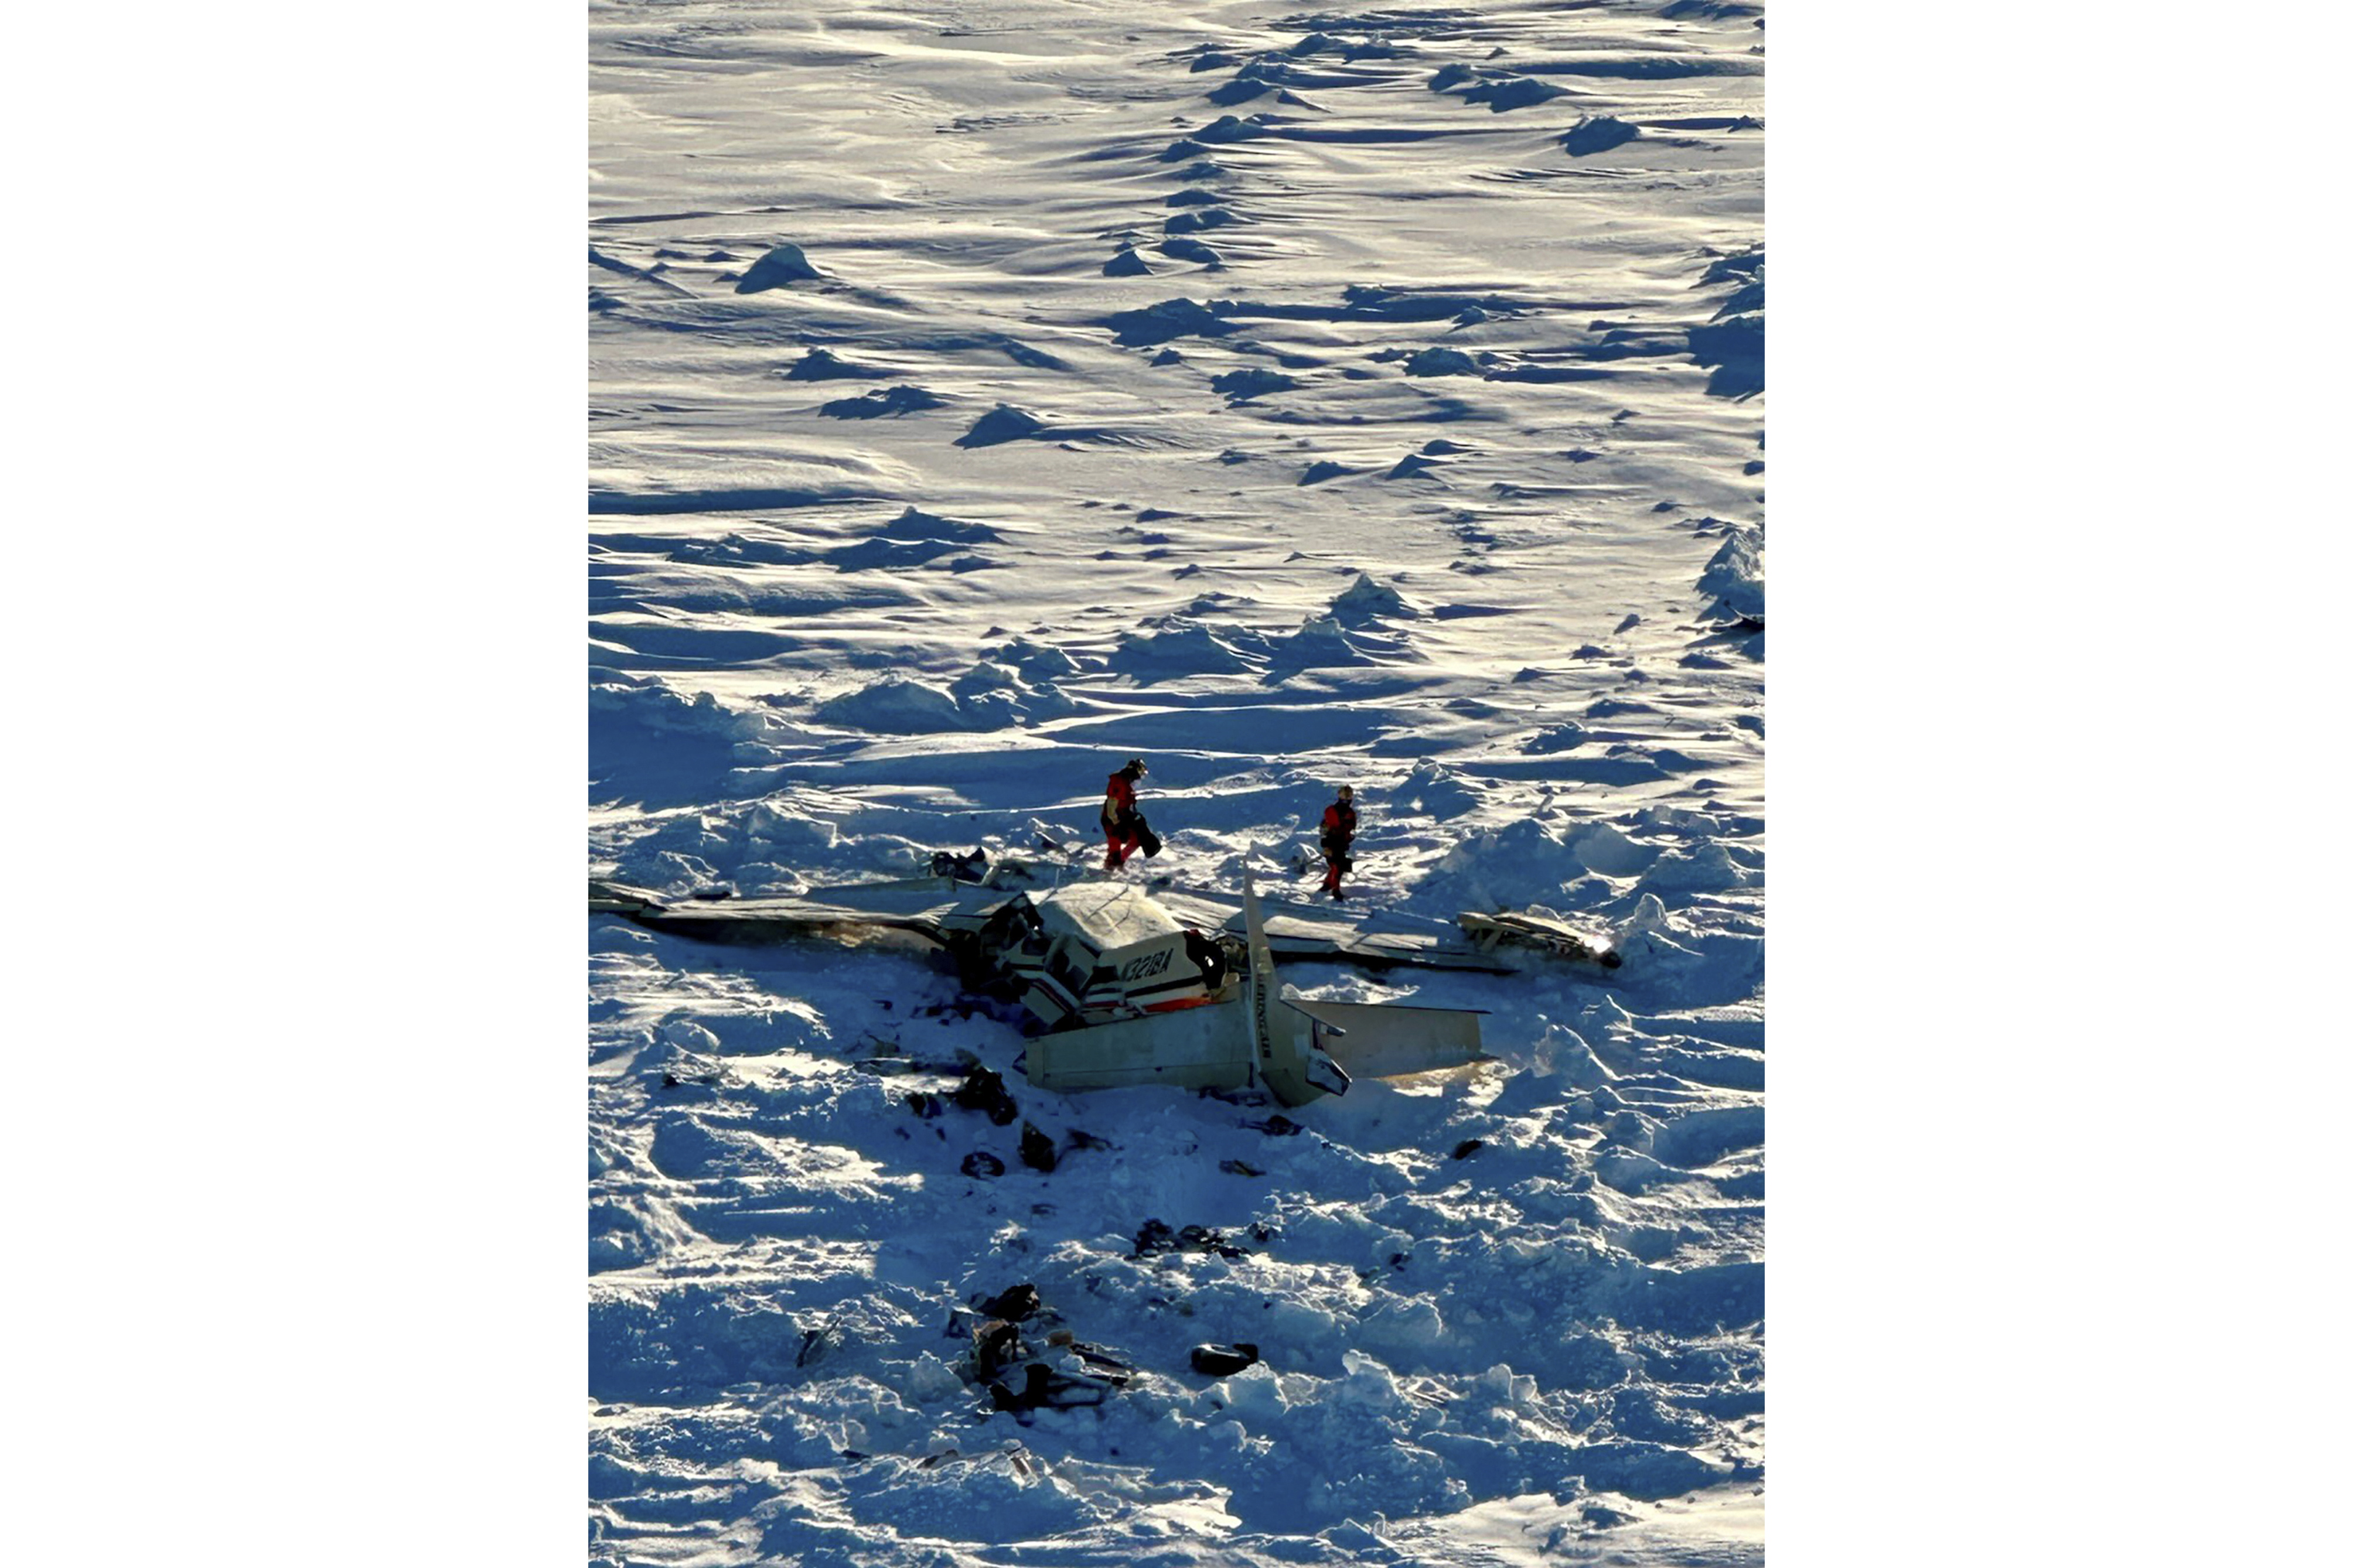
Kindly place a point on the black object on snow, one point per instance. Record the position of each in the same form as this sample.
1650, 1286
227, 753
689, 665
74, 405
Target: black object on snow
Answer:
1013, 1305
1042, 1386
1037, 1149
1034, 1386
1467, 1147
996, 1345
1223, 1361
984, 1092
1201, 1238
981, 1163
972, 867
819, 1342
1155, 1237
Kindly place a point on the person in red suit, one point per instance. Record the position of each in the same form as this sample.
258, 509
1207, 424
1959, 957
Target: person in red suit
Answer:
1339, 832
1123, 825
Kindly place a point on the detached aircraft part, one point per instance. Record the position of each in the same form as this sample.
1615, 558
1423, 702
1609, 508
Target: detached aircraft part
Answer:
1509, 928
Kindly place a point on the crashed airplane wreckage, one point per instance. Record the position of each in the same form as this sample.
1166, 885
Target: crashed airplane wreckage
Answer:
1134, 987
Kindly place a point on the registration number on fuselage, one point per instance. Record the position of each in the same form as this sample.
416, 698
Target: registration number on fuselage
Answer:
1144, 967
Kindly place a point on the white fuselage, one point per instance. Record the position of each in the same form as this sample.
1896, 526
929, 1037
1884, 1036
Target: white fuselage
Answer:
1100, 952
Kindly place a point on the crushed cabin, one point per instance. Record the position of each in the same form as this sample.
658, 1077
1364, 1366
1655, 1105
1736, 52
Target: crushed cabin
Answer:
1096, 952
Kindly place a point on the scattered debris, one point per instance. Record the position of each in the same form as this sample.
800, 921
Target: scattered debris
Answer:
1155, 1238
981, 1163
996, 1345
1044, 1388
1074, 1373
970, 867
1012, 1305
984, 1092
1223, 1361
819, 1342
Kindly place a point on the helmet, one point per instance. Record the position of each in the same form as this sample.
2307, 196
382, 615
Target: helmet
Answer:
1347, 793
1136, 765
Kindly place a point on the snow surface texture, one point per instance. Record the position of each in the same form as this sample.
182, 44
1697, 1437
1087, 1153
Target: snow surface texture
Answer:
983, 393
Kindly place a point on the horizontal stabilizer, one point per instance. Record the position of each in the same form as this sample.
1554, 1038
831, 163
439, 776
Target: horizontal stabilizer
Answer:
1379, 1040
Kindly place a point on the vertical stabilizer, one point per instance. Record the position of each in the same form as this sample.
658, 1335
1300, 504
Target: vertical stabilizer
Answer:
1289, 1058
1258, 982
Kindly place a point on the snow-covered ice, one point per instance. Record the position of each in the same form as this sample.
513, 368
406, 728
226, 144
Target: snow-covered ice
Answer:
984, 392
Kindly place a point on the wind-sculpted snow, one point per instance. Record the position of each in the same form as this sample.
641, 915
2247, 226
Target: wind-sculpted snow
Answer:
983, 394
1735, 574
